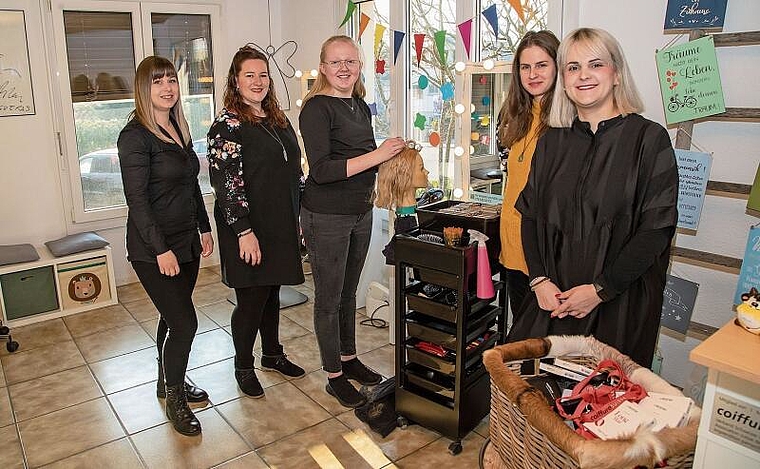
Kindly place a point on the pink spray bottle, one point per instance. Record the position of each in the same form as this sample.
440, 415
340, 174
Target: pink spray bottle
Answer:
484, 280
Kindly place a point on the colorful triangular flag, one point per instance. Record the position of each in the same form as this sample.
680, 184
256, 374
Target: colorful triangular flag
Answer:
398, 39
379, 31
419, 41
518, 9
440, 44
363, 22
492, 18
350, 8
465, 29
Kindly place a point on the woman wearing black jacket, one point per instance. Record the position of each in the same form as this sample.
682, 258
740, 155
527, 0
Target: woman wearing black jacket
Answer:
159, 170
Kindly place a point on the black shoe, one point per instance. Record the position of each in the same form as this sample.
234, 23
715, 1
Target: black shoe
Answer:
178, 412
344, 392
248, 382
282, 365
192, 393
356, 370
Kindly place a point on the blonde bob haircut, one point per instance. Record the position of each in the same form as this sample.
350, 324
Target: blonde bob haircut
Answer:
602, 45
395, 178
151, 68
321, 83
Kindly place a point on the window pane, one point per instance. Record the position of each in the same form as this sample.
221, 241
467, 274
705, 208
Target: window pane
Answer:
430, 112
100, 55
376, 76
511, 27
186, 41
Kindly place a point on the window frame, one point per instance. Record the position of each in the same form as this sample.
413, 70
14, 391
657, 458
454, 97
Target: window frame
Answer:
110, 217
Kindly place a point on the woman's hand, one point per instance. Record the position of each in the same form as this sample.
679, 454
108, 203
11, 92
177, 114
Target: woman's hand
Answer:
207, 242
546, 293
577, 302
390, 148
250, 251
167, 263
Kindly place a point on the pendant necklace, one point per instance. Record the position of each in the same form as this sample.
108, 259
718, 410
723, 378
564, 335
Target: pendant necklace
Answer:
521, 157
274, 136
350, 106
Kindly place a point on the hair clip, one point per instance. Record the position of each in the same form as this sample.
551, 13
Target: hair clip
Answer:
413, 145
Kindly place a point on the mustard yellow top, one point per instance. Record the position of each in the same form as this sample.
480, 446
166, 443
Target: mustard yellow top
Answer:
518, 167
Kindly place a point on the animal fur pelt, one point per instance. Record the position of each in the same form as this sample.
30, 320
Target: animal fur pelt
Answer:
644, 448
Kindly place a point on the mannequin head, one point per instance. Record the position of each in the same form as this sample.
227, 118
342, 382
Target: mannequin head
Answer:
399, 178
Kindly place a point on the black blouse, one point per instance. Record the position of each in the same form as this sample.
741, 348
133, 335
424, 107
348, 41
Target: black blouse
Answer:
166, 209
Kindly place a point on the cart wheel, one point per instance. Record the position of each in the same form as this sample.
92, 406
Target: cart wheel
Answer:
12, 346
4, 330
402, 422
455, 448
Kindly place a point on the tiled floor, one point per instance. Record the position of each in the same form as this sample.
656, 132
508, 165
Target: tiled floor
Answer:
80, 393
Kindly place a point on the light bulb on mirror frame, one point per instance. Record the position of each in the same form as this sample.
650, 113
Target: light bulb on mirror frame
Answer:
458, 151
299, 74
459, 108
314, 73
488, 64
458, 193
459, 67
299, 102
472, 150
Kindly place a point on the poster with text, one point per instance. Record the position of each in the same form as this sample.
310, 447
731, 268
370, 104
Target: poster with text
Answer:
693, 173
749, 275
15, 80
678, 300
690, 81
682, 15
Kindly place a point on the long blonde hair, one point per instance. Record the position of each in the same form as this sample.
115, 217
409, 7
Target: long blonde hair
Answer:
395, 178
150, 68
321, 83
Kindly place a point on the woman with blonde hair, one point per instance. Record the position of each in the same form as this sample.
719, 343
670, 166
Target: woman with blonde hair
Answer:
159, 170
599, 208
336, 209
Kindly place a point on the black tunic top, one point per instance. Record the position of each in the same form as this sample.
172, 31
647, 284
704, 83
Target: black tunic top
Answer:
257, 188
166, 209
335, 130
602, 208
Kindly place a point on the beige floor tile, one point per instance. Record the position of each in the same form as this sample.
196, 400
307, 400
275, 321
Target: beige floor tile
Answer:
2, 375
313, 385
368, 337
210, 347
138, 408
289, 329
22, 366
162, 447
114, 342
218, 380
6, 414
211, 293
261, 421
399, 443
142, 310
37, 335
11, 456
247, 461
207, 276
125, 371
69, 431
98, 320
303, 315
53, 392
324, 445
116, 454
220, 312
205, 323
380, 360
217, 269
150, 327
131, 292
483, 427
307, 288
304, 351
437, 454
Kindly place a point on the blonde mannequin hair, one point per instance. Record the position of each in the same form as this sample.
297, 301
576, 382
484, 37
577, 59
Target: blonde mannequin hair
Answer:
395, 178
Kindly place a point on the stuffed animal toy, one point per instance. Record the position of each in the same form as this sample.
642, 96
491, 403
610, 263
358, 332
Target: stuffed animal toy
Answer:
748, 312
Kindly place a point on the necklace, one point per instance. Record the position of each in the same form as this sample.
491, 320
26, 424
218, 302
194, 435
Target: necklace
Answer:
350, 106
274, 136
521, 157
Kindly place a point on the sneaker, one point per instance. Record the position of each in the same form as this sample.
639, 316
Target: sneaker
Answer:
344, 392
356, 370
282, 365
248, 382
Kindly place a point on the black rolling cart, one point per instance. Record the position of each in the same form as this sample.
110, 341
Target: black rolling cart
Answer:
442, 329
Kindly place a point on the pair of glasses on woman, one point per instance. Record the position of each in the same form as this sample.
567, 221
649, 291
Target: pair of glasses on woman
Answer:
336, 64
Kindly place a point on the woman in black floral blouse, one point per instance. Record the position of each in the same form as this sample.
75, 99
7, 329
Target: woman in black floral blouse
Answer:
255, 167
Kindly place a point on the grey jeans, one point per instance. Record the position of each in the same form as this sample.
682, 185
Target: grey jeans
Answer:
337, 246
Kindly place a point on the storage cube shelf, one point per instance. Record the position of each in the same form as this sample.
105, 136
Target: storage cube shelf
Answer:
52, 286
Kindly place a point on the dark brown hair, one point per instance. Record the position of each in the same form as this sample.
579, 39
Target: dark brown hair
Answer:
233, 101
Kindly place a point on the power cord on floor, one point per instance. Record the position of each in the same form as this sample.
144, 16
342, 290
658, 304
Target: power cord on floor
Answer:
376, 322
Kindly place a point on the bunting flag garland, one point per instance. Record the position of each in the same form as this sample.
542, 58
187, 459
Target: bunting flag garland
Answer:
350, 8
434, 139
419, 41
440, 44
363, 22
447, 91
379, 31
422, 82
379, 66
518, 9
492, 18
398, 39
419, 121
465, 29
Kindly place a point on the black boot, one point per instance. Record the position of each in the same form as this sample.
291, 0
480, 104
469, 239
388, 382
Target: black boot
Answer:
248, 382
193, 393
182, 418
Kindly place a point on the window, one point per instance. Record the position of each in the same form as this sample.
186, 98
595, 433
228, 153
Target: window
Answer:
511, 27
98, 46
377, 74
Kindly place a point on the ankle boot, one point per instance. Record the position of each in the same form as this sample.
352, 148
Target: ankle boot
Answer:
178, 412
193, 393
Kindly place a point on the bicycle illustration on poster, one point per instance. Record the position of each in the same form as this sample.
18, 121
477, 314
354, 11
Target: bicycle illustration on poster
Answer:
16, 97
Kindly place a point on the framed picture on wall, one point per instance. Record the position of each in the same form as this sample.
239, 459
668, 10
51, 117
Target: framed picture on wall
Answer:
16, 97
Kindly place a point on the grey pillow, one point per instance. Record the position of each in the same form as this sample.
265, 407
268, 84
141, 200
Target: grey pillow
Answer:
75, 243
16, 253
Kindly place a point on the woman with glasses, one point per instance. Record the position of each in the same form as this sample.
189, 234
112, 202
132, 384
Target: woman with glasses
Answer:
255, 166
336, 209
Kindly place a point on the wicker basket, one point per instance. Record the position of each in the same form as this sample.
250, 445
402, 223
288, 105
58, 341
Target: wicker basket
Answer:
525, 433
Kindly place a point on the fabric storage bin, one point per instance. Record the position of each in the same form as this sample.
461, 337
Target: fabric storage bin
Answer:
29, 292
84, 282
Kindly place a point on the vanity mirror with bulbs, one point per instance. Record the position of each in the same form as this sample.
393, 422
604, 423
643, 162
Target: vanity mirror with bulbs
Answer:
484, 88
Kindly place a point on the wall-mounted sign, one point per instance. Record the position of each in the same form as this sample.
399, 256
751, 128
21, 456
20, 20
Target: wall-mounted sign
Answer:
749, 275
695, 14
678, 301
690, 81
16, 97
735, 420
693, 173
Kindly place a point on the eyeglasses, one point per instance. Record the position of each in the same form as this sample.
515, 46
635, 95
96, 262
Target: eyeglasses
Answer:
336, 64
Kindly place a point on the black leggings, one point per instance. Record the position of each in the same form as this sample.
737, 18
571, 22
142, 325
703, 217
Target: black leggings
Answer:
178, 323
257, 310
